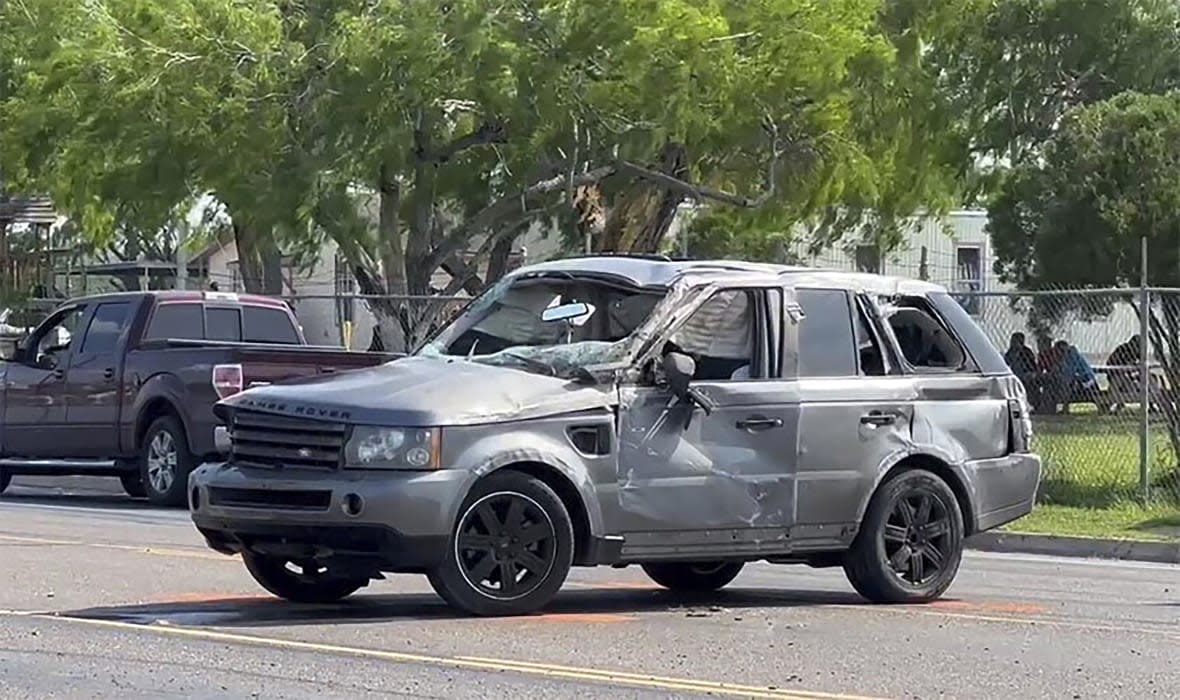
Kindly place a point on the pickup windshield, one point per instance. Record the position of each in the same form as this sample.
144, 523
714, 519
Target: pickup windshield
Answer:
549, 324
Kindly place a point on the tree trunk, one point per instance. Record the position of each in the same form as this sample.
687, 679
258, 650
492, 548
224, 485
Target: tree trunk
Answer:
249, 257
498, 260
645, 211
271, 259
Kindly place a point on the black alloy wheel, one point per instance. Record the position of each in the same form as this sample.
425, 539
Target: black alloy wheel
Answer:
910, 544
511, 550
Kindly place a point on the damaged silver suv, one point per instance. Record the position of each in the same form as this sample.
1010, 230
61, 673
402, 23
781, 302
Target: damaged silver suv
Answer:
687, 417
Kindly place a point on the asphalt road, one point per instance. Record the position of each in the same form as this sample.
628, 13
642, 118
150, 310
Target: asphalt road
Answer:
101, 597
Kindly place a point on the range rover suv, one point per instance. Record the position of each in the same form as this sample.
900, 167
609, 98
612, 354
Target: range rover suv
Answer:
685, 417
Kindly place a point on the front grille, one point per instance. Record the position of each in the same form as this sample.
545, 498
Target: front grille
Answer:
267, 440
268, 498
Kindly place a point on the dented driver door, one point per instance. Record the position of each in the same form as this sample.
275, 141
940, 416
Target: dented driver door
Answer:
696, 482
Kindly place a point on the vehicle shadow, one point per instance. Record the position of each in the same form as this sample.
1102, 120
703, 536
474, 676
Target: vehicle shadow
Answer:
268, 612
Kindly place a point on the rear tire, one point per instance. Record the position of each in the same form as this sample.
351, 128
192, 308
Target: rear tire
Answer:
910, 544
133, 484
511, 548
5, 480
165, 462
311, 584
696, 577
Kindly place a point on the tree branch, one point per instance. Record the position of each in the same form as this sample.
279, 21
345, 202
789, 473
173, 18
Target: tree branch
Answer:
487, 133
699, 192
493, 212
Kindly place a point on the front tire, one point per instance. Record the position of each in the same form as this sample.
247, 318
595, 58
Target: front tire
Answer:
165, 462
5, 480
511, 549
698, 577
300, 582
910, 544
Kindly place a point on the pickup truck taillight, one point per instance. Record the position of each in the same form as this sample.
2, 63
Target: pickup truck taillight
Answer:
227, 380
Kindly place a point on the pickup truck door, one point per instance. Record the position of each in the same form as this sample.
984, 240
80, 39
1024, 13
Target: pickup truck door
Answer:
94, 382
35, 388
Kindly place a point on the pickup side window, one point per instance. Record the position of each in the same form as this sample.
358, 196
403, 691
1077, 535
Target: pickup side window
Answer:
925, 343
105, 329
54, 340
827, 345
176, 321
263, 324
223, 323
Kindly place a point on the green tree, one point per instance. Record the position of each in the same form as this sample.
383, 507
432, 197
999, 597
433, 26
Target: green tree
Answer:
1110, 177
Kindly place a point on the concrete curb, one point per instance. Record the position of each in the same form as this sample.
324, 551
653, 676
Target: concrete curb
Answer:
1078, 547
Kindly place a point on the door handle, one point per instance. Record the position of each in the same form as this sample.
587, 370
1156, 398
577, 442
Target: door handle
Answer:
108, 373
59, 374
879, 418
756, 423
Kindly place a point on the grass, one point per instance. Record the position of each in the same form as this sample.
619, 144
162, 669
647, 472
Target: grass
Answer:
1122, 522
1092, 461
1091, 485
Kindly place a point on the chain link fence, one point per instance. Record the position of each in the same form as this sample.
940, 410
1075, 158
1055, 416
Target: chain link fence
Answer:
1080, 356
1079, 364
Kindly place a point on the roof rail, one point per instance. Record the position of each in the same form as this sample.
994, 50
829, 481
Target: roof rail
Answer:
638, 256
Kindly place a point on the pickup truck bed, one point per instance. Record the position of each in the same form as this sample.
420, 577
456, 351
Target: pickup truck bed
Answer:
125, 384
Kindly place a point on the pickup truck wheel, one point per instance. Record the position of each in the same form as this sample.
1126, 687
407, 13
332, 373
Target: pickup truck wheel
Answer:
300, 582
165, 462
910, 544
5, 480
511, 549
695, 577
133, 484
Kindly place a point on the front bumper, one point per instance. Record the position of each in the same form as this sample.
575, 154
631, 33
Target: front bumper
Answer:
399, 521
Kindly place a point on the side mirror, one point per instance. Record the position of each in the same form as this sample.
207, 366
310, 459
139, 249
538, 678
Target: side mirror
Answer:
678, 372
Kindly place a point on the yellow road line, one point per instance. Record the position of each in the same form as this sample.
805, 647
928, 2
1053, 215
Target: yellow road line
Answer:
480, 664
1047, 622
528, 665
138, 549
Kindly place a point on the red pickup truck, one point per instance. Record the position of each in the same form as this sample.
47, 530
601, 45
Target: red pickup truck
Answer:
124, 384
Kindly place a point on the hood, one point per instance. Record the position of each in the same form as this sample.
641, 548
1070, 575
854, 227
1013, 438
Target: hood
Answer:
425, 392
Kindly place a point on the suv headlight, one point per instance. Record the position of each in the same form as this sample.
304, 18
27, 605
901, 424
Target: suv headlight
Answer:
393, 448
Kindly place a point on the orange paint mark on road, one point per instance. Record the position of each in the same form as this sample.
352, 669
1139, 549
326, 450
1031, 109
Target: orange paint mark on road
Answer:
618, 585
988, 607
207, 599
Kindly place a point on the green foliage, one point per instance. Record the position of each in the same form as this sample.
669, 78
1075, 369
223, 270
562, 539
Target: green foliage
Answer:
1110, 175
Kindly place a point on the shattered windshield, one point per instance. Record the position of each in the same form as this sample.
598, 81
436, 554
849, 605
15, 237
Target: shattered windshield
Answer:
549, 325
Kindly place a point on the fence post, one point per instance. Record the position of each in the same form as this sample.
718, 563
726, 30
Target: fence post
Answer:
1144, 377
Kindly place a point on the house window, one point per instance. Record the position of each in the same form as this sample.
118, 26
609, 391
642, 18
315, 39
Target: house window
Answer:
868, 259
969, 278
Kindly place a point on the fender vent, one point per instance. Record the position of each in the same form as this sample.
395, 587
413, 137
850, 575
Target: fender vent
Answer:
593, 440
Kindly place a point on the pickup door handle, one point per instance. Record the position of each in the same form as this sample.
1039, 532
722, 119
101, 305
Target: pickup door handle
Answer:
108, 373
59, 374
879, 418
756, 423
